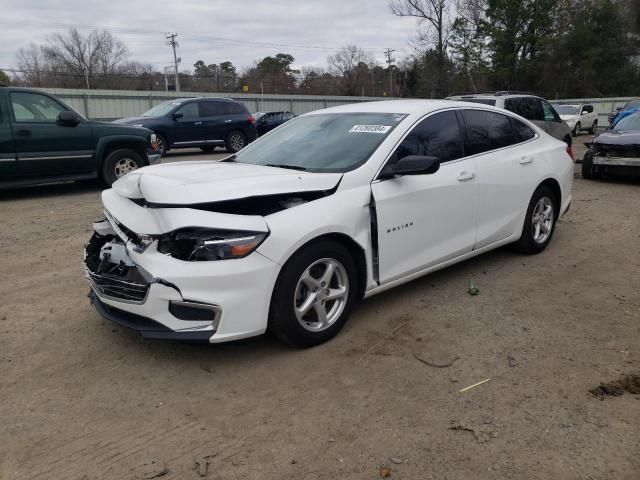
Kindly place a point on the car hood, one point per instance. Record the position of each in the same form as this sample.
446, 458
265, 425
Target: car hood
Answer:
569, 118
198, 182
629, 138
133, 120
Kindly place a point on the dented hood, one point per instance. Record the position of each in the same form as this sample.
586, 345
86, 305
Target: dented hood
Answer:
184, 183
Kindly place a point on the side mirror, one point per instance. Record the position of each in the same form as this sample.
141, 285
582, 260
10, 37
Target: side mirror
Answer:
584, 112
68, 119
411, 165
176, 116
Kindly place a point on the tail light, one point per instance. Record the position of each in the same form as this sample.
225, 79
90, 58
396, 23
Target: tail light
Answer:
251, 119
570, 153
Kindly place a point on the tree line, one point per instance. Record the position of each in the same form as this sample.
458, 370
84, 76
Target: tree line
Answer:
556, 48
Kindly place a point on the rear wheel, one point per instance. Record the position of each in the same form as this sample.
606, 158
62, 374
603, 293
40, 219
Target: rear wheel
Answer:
314, 294
236, 141
539, 222
120, 162
576, 130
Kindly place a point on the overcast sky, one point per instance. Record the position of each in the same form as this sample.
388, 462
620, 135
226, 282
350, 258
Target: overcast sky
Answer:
299, 24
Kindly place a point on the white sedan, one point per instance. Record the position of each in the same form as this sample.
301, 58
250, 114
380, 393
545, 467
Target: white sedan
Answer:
336, 205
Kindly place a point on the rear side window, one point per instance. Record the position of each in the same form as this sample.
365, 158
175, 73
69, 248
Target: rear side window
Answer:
527, 107
550, 115
436, 136
235, 108
522, 132
211, 109
488, 131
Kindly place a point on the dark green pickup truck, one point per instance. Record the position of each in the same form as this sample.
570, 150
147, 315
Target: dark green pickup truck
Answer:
42, 140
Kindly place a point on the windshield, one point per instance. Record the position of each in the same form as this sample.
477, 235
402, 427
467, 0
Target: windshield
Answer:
566, 109
632, 122
161, 110
331, 142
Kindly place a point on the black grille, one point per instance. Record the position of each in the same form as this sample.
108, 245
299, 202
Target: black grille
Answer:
113, 287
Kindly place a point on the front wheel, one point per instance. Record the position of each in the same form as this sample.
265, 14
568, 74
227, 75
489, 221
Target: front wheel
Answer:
594, 127
235, 142
120, 162
539, 222
314, 294
588, 169
161, 145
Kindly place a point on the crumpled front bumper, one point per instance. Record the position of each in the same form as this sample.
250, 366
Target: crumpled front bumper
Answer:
237, 292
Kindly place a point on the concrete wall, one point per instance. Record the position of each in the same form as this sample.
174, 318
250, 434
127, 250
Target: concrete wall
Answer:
112, 104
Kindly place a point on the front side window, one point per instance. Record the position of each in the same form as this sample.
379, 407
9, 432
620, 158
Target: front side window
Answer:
326, 142
435, 136
588, 108
488, 131
33, 107
189, 110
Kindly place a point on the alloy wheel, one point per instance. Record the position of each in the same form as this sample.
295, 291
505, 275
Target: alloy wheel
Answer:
542, 220
321, 294
236, 141
124, 166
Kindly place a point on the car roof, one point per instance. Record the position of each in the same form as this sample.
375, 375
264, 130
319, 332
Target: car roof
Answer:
403, 106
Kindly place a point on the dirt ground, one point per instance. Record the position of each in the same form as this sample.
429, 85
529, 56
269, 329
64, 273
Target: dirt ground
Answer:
81, 398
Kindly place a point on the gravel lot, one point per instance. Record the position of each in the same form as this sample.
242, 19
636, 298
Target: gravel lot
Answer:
84, 399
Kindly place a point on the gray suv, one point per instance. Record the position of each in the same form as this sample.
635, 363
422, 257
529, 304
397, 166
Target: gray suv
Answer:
529, 106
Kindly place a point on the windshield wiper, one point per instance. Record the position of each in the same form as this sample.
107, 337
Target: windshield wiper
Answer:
290, 167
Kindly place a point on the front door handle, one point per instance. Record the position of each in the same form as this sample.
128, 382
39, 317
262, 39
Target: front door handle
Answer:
228, 121
464, 176
23, 133
197, 123
526, 160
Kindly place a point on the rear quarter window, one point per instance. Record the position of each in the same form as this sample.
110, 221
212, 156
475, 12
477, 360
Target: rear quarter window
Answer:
235, 108
522, 132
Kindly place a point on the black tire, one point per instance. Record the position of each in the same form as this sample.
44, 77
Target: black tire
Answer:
527, 243
118, 163
588, 169
576, 130
163, 145
236, 141
283, 322
594, 127
208, 148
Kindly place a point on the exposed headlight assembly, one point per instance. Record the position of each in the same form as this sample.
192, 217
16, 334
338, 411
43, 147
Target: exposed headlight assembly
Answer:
206, 244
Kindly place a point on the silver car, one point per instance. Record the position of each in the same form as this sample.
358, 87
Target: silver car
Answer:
531, 107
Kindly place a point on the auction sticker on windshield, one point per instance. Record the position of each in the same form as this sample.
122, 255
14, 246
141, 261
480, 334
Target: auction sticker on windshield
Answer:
370, 129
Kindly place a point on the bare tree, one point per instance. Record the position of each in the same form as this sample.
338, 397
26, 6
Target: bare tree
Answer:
85, 56
32, 65
435, 15
354, 65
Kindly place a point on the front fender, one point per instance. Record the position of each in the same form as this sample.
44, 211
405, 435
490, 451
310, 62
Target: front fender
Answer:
135, 142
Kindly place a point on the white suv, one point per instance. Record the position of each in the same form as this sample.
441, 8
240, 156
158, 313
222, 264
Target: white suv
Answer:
579, 117
531, 107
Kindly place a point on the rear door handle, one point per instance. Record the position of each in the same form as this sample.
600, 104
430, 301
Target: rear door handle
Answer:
23, 133
228, 121
464, 176
197, 123
526, 160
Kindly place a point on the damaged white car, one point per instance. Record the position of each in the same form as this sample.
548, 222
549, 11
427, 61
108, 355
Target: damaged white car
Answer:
333, 206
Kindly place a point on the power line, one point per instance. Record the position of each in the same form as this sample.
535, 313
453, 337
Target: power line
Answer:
202, 38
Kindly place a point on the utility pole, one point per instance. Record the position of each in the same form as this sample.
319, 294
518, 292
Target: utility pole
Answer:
390, 60
171, 37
